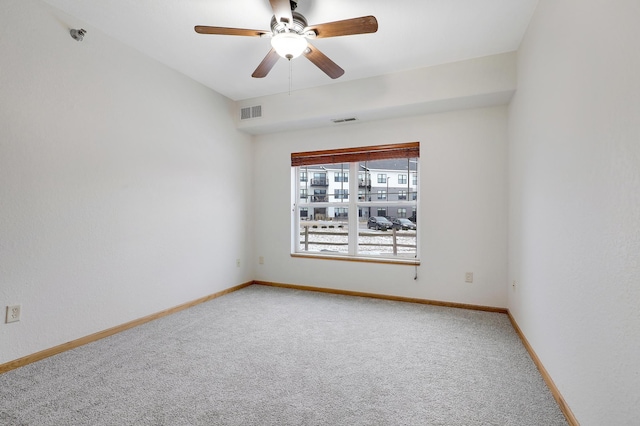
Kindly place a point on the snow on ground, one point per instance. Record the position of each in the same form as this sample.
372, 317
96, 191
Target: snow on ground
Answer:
370, 242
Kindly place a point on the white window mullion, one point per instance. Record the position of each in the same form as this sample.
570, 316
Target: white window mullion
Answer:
353, 210
296, 210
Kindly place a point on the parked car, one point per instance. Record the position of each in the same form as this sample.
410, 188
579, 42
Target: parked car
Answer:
380, 223
404, 224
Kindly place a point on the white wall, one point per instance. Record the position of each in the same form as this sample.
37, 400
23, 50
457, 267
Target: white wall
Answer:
574, 246
462, 211
124, 186
473, 83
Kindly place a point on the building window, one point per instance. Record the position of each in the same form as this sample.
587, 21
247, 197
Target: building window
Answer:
319, 179
341, 177
414, 179
341, 212
319, 196
343, 227
303, 193
341, 194
364, 179
303, 176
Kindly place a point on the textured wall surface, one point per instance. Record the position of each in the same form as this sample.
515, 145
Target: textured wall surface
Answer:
462, 208
574, 237
118, 181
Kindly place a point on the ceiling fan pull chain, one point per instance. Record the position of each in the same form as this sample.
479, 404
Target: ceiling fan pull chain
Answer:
290, 75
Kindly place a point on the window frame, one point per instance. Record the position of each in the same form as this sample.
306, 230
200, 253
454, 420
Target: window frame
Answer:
355, 205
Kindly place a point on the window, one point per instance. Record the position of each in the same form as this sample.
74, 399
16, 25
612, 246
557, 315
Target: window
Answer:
341, 194
364, 179
339, 227
319, 196
341, 177
303, 176
341, 212
319, 179
303, 193
414, 179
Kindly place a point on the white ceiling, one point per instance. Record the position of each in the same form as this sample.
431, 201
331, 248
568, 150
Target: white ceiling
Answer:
411, 34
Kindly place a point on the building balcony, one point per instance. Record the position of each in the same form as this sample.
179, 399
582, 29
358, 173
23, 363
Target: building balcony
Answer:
319, 182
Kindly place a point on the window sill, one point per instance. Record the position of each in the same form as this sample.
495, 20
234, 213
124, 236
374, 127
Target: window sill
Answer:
383, 260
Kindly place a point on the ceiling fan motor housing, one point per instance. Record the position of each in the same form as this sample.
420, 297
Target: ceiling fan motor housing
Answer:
299, 24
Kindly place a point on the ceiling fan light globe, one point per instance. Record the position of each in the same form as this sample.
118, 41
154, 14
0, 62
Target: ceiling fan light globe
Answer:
289, 45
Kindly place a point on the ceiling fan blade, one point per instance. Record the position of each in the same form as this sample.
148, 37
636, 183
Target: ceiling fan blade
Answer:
362, 25
267, 63
323, 62
282, 11
203, 29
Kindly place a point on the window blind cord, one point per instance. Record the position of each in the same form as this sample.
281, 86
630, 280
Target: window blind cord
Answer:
415, 278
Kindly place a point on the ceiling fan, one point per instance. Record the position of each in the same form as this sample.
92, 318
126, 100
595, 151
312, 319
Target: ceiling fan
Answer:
289, 34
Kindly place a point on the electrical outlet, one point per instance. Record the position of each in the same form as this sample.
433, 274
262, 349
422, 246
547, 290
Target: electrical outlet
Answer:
468, 277
261, 260
13, 313
238, 263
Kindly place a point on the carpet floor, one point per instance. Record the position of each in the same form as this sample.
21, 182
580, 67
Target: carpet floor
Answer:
272, 356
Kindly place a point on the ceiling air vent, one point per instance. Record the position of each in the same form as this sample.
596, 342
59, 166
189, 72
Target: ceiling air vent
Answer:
251, 112
344, 120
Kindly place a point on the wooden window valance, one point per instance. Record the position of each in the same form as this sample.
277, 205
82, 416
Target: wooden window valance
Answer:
364, 153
